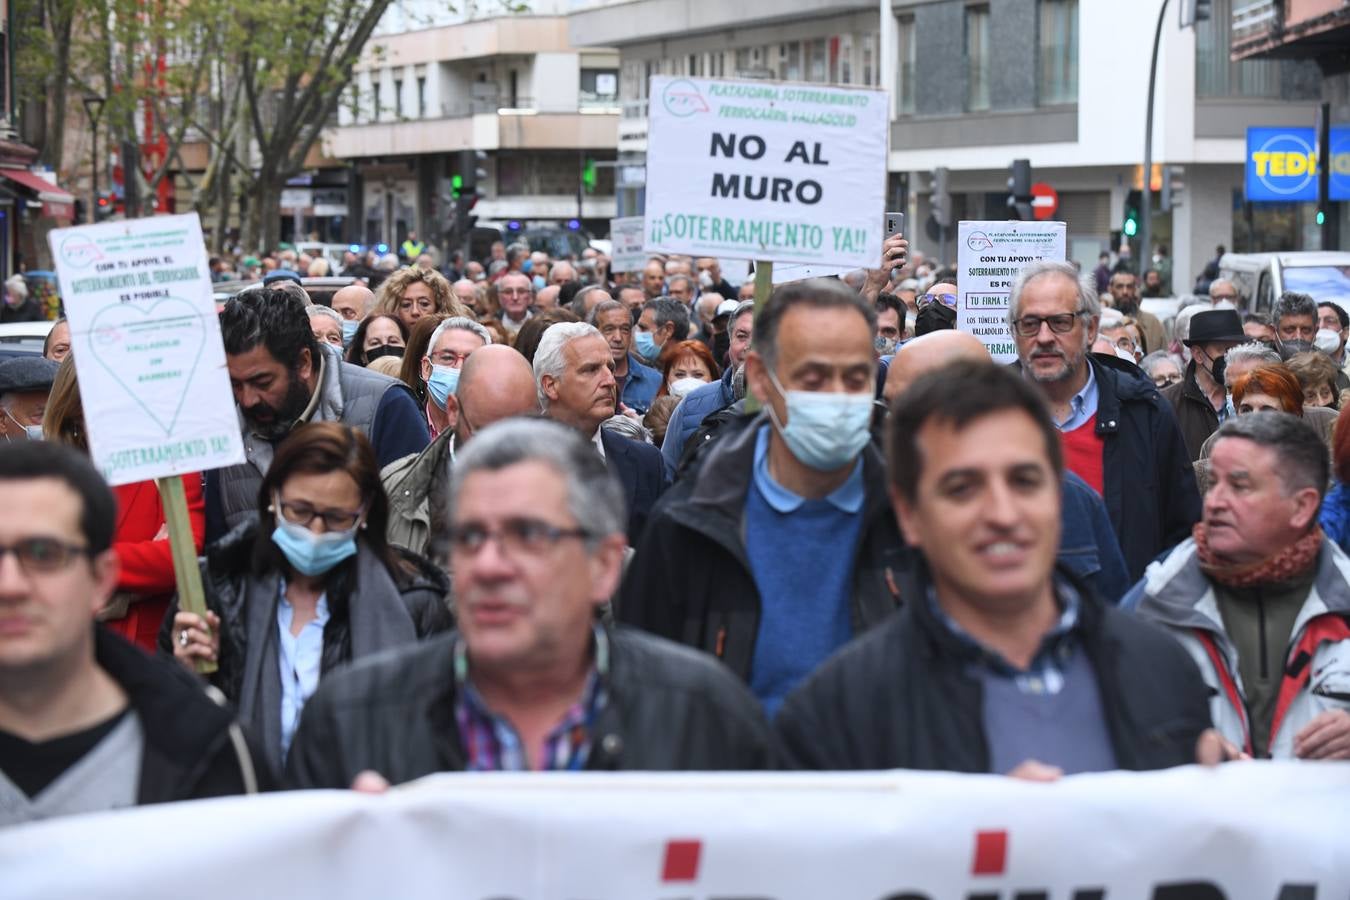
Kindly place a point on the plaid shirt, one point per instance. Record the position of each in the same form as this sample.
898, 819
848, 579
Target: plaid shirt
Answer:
491, 744
1045, 675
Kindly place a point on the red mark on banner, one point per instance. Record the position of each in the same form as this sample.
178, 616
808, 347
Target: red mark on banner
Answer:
681, 860
991, 853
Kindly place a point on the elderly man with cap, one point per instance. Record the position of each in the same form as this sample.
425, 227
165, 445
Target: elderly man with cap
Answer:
1200, 399
25, 382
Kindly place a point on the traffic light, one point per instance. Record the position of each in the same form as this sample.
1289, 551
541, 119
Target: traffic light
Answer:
456, 186
104, 206
470, 171
1173, 186
1019, 190
588, 176
1133, 201
940, 200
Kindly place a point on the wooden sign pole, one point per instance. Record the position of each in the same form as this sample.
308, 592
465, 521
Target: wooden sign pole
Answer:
191, 596
763, 288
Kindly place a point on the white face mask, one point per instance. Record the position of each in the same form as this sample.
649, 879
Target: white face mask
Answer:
683, 386
1327, 341
705, 279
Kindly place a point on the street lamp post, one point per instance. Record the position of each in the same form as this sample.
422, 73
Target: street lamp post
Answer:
93, 107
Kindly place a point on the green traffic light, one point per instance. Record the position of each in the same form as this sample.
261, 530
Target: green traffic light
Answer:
1321, 217
456, 185
1131, 227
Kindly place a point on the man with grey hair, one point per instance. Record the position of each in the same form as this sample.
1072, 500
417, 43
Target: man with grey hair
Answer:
531, 681
1118, 434
326, 324
574, 375
495, 383
1295, 317
1259, 597
663, 321
447, 350
19, 305
637, 384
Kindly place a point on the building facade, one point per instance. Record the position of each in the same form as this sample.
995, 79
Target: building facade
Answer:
974, 86
538, 116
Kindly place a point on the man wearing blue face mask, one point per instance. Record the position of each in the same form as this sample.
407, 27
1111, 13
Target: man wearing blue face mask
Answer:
25, 382
781, 545
663, 320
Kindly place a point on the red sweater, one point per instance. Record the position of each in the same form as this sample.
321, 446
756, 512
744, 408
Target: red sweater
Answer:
147, 564
1083, 453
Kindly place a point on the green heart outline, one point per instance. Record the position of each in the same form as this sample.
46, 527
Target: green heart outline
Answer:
193, 314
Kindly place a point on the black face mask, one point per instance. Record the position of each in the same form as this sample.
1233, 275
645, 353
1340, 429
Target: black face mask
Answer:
1217, 367
934, 317
383, 350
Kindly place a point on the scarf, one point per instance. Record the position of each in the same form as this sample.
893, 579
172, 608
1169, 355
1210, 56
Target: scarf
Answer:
1285, 565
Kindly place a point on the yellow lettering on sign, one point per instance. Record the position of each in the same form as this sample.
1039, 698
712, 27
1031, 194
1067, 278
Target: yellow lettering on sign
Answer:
1262, 160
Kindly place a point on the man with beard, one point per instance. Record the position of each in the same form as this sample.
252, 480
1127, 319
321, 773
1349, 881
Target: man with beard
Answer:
283, 377
1118, 434
1125, 291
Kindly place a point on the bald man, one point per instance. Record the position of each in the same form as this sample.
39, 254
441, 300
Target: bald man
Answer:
353, 303
1088, 547
547, 298
495, 383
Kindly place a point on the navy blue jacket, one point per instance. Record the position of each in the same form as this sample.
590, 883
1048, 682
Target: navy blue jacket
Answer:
638, 468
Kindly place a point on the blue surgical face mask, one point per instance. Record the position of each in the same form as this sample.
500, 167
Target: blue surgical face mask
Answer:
34, 432
309, 553
349, 327
825, 431
442, 384
645, 345
527, 266
539, 282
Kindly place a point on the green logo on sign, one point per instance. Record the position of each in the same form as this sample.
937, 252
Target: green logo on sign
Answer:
152, 352
682, 98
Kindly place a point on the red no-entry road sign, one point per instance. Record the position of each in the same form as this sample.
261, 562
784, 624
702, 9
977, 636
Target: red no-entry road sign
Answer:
1044, 200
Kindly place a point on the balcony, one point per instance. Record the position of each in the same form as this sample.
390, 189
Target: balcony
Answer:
464, 128
1293, 29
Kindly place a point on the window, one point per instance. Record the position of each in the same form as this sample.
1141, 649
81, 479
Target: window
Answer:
869, 56
398, 98
599, 87
421, 97
905, 46
815, 61
1058, 49
1218, 76
790, 62
846, 59
977, 58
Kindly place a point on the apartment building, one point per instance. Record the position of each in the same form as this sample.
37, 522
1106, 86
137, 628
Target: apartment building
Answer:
976, 85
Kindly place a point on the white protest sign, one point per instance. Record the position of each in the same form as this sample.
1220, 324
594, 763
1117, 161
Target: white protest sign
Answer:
989, 255
147, 348
1243, 831
766, 170
626, 253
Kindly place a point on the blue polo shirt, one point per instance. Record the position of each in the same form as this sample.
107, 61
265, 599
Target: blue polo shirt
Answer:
801, 555
640, 386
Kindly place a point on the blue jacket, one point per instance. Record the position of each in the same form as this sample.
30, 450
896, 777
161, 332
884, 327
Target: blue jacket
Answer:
1087, 544
1335, 515
696, 406
638, 468
640, 387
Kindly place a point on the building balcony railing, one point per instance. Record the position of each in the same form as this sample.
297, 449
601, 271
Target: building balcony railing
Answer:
1255, 24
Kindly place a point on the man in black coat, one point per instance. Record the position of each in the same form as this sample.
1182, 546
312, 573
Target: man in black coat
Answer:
998, 663
1117, 432
530, 681
574, 371
88, 722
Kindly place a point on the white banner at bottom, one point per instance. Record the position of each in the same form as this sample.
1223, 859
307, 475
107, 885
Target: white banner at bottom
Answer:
1264, 831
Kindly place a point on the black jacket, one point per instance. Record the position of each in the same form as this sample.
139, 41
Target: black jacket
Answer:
190, 753
1195, 414
226, 571
901, 696
669, 709
691, 580
1149, 482
642, 473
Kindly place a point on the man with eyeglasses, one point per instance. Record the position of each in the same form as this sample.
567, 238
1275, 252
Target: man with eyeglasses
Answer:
937, 309
88, 722
515, 293
1200, 400
1118, 434
531, 680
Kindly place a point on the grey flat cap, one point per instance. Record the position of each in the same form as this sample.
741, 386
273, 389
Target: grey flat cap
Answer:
27, 373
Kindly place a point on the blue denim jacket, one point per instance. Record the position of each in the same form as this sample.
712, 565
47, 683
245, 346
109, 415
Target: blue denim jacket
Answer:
1088, 546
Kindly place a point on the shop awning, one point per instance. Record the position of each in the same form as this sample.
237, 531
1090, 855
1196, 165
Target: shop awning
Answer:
56, 203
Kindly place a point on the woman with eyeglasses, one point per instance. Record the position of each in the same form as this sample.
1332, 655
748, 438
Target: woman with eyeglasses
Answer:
145, 576
308, 585
1162, 368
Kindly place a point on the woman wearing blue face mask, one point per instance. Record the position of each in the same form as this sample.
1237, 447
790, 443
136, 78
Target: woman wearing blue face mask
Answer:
307, 586
450, 345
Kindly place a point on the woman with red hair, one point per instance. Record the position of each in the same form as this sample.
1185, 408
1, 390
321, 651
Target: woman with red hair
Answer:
686, 366
1273, 386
